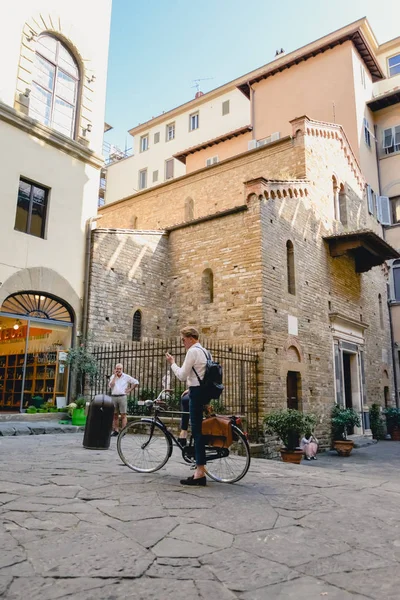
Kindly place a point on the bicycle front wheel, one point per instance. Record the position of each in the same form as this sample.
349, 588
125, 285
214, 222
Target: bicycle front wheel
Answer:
233, 463
144, 446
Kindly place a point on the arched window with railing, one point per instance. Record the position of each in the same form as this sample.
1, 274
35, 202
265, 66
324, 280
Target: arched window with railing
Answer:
291, 280
207, 286
55, 86
137, 326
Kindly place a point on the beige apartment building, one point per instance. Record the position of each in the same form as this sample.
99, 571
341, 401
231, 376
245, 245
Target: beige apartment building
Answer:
157, 141
52, 101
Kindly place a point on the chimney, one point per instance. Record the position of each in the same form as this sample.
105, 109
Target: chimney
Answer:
280, 52
198, 94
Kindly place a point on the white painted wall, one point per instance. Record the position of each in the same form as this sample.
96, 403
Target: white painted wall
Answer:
74, 183
123, 176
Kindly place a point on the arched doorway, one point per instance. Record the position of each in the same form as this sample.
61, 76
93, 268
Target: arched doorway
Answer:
35, 335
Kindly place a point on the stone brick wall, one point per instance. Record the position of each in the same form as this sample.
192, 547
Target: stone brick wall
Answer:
129, 272
214, 189
280, 193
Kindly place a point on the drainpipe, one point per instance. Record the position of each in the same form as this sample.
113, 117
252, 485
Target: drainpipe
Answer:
396, 389
252, 111
88, 253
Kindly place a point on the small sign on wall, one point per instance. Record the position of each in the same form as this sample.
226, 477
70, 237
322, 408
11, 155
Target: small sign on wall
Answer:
293, 328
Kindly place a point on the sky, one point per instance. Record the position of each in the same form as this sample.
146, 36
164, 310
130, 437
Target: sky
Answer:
158, 48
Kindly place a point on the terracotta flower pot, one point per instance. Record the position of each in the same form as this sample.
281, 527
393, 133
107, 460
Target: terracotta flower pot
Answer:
395, 435
343, 447
292, 456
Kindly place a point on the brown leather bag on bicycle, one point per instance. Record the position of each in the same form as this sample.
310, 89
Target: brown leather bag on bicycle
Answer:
218, 430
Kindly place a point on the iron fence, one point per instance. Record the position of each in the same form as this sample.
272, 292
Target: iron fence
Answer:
146, 362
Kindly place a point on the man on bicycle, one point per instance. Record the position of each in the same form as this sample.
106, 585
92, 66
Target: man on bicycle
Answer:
193, 370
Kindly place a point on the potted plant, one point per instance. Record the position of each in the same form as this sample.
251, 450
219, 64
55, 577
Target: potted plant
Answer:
376, 422
392, 415
78, 412
83, 365
342, 421
289, 425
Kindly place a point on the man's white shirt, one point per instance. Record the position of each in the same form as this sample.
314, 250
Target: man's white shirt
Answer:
196, 358
121, 384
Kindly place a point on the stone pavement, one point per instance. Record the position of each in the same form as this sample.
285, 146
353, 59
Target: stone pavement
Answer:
77, 523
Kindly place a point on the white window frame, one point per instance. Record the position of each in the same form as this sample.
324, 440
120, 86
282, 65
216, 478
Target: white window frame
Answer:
391, 139
170, 132
143, 185
194, 121
397, 64
367, 133
144, 143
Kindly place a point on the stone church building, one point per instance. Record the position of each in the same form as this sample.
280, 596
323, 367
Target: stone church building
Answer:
273, 248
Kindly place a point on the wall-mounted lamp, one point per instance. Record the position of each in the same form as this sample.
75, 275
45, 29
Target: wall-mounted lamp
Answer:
27, 92
17, 324
91, 78
89, 127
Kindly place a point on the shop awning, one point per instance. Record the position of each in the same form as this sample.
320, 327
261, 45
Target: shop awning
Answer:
369, 250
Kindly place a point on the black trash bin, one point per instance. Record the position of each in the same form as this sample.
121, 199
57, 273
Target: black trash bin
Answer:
99, 423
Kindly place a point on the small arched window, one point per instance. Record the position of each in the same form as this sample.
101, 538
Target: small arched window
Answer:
335, 190
137, 326
207, 286
291, 281
55, 83
189, 209
380, 311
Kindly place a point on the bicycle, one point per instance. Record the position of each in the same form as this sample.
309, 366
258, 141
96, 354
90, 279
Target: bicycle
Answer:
146, 445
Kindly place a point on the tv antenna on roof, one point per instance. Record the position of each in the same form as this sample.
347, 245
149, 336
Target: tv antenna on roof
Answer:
197, 82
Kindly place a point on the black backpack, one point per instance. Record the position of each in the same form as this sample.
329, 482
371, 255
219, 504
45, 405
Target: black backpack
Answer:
212, 380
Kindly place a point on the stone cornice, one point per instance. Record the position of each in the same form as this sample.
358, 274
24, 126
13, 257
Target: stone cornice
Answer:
50, 136
276, 188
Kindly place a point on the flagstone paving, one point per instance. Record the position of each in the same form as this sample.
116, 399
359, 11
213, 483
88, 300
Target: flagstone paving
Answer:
78, 524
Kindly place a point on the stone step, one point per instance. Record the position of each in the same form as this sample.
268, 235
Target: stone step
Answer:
56, 416
8, 428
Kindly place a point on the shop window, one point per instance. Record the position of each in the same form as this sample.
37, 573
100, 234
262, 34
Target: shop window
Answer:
55, 86
291, 281
31, 208
137, 326
207, 286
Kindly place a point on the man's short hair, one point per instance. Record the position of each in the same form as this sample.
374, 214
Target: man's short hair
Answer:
119, 365
190, 332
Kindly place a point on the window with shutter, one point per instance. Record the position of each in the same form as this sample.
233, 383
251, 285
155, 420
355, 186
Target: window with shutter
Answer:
144, 143
387, 138
157, 137
194, 121
225, 108
370, 199
367, 134
170, 132
396, 280
169, 168
155, 176
143, 179
397, 138
395, 209
384, 210
212, 161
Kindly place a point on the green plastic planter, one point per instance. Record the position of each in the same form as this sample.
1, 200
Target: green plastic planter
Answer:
78, 417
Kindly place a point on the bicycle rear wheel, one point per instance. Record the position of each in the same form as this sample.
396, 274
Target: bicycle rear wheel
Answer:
233, 463
144, 446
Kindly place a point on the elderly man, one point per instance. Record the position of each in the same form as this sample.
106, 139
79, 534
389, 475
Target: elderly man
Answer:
120, 385
192, 371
